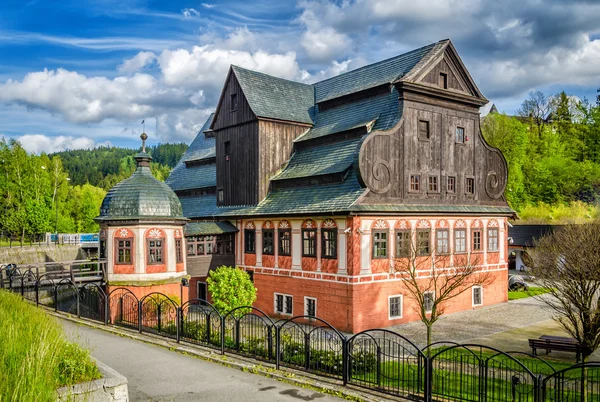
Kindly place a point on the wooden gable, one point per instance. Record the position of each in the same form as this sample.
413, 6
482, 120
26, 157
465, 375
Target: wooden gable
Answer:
226, 114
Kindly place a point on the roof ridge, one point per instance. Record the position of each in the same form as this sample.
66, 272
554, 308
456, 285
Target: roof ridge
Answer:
233, 66
380, 62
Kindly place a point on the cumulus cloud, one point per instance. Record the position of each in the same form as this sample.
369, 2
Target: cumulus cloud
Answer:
37, 143
190, 12
136, 63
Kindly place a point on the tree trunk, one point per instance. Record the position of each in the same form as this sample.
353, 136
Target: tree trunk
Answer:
428, 335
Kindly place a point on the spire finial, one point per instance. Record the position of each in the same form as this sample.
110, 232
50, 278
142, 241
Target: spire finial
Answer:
144, 137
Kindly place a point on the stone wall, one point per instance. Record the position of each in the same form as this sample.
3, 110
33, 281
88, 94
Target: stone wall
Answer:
41, 254
112, 387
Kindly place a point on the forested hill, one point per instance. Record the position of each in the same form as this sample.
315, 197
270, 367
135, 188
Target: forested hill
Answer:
105, 166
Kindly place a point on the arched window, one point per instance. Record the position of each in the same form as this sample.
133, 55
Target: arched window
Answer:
329, 239
155, 245
124, 246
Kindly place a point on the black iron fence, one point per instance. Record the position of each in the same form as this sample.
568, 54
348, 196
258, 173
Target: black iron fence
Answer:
375, 359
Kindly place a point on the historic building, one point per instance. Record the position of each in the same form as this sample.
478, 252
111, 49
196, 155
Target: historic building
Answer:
141, 234
321, 191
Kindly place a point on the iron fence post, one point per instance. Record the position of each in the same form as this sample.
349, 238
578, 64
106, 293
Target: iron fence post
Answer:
106, 309
140, 316
208, 327
179, 323
37, 293
306, 351
158, 317
482, 379
222, 335
378, 366
277, 346
55, 298
77, 301
237, 335
345, 365
428, 389
270, 343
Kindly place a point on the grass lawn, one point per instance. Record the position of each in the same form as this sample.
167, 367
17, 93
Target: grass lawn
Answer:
35, 357
522, 294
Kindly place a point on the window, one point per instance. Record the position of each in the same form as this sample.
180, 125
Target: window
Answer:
202, 293
423, 242
477, 296
476, 240
380, 244
124, 251
234, 102
178, 251
227, 148
441, 236
206, 245
309, 242
224, 244
415, 181
460, 135
403, 243
102, 251
428, 300
155, 251
310, 306
329, 243
220, 195
433, 184
283, 304
460, 241
423, 130
250, 241
470, 185
251, 275
395, 307
268, 235
451, 184
443, 81
285, 236
492, 239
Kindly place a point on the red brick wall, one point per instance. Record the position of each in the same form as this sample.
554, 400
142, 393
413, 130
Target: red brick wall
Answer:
309, 264
284, 261
250, 259
380, 265
268, 261
329, 265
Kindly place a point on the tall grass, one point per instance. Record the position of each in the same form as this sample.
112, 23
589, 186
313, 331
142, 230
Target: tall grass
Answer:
35, 358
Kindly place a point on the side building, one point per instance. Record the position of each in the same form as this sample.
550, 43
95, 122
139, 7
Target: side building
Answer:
325, 189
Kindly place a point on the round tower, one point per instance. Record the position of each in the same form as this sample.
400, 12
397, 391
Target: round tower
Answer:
141, 233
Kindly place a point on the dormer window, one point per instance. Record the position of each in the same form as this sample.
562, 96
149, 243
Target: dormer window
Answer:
234, 102
443, 81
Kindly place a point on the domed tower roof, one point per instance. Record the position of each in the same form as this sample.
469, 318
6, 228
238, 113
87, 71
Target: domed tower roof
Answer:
141, 196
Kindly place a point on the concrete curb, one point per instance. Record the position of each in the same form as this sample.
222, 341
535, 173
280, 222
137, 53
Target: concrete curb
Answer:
112, 387
293, 377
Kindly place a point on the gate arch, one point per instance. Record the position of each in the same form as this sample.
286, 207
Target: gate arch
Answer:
248, 331
200, 323
67, 297
93, 302
123, 306
570, 384
158, 315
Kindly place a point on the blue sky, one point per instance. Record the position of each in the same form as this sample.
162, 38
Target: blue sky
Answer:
77, 73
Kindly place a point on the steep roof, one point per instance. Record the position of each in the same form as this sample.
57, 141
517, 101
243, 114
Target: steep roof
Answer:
370, 76
187, 178
276, 98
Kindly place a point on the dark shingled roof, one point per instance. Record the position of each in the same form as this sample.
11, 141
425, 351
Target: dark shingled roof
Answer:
184, 178
208, 228
140, 196
370, 76
199, 206
526, 235
276, 98
383, 110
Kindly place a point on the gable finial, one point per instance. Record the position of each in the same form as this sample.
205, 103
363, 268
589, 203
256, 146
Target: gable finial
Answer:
144, 137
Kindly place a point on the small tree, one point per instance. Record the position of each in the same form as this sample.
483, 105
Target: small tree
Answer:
567, 265
431, 280
229, 288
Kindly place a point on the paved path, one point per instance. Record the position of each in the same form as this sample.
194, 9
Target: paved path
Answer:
157, 374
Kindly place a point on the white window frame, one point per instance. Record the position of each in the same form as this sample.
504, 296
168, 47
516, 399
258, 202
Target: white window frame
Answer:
306, 298
433, 299
457, 244
496, 247
395, 317
473, 295
285, 296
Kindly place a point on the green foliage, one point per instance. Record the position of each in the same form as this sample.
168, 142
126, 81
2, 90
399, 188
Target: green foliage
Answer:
35, 358
230, 288
522, 294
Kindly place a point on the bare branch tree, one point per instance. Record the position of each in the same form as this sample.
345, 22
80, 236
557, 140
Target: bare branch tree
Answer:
537, 107
432, 279
567, 264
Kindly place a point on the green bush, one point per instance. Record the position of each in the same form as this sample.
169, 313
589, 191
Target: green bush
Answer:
35, 358
230, 288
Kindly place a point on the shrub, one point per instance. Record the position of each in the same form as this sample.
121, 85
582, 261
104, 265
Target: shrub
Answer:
230, 288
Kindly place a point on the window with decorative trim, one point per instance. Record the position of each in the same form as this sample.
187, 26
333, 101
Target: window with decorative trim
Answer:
329, 243
477, 292
423, 133
403, 241
208, 245
443, 81
477, 235
423, 242
310, 306
441, 237
428, 301
433, 184
285, 236
451, 184
415, 182
268, 246
155, 251
124, 251
380, 244
493, 239
395, 307
284, 304
249, 241
178, 251
470, 186
309, 242
460, 241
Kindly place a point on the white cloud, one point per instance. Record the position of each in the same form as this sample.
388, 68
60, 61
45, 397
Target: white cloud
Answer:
190, 12
208, 5
136, 63
325, 44
37, 143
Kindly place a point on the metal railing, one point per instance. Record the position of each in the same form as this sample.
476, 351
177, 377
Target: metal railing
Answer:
375, 359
